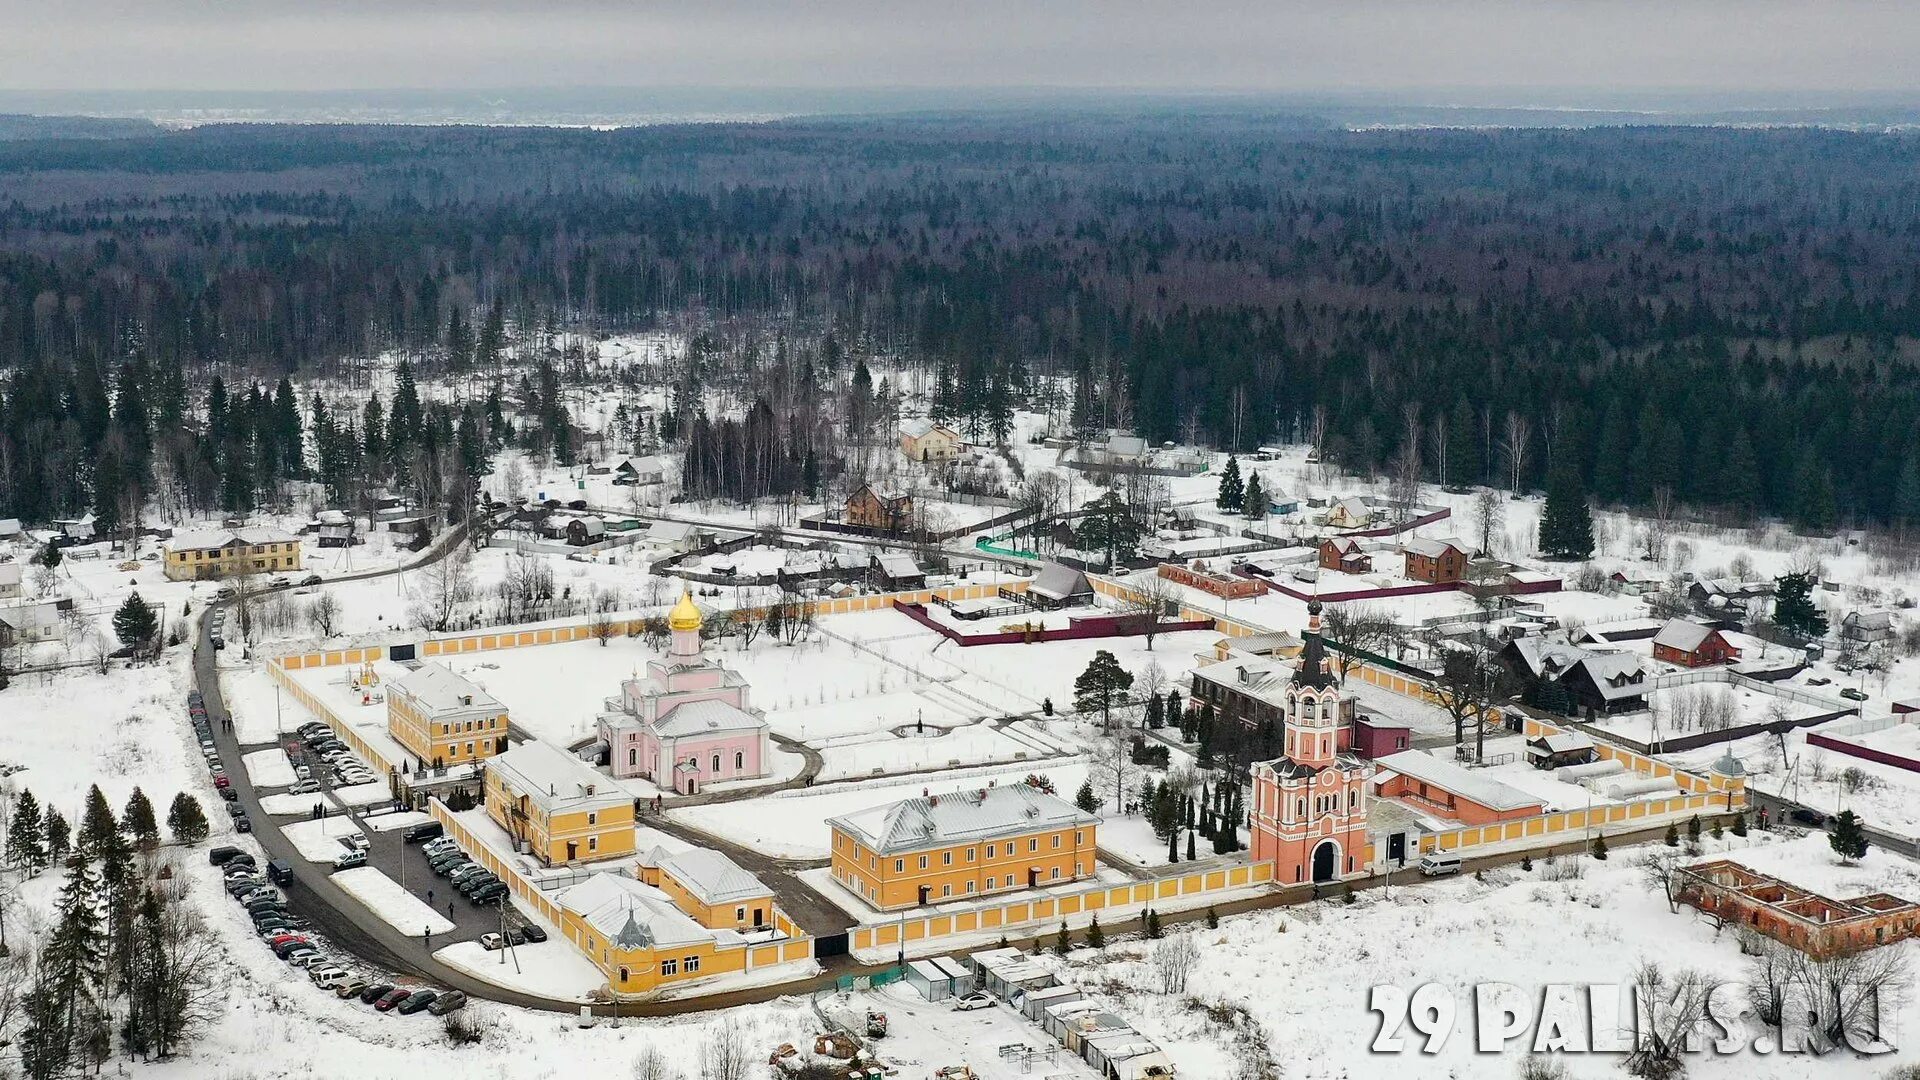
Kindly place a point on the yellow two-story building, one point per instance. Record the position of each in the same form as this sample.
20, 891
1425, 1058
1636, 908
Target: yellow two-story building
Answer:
962, 844
643, 943
713, 889
557, 808
444, 719
220, 553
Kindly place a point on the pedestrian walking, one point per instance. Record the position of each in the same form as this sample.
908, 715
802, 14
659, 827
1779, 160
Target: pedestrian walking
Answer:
429, 896
449, 909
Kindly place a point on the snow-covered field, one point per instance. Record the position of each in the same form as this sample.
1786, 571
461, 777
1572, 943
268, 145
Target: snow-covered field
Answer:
394, 905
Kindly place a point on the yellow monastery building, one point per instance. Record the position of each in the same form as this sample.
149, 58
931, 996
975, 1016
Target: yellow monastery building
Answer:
443, 719
962, 844
556, 807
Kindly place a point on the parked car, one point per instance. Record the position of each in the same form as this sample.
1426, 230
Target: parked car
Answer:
242, 824
1853, 695
223, 781
533, 933
304, 787
391, 998
462, 873
1804, 816
426, 830
375, 992
447, 1002
492, 892
492, 942
223, 855
969, 1002
285, 946
415, 1001
351, 988
310, 579
228, 794
329, 978
309, 961
347, 860
280, 871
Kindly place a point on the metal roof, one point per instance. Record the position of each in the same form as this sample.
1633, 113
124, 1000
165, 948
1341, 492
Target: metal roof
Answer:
960, 817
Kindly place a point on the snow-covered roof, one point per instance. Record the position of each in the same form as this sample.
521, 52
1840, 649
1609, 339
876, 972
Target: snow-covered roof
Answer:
630, 913
1564, 742
1345, 545
31, 616
898, 565
704, 717
1869, 620
1469, 784
672, 531
1433, 549
960, 817
920, 427
1609, 671
1264, 678
1264, 644
438, 689
9, 573
1545, 656
9, 527
214, 539
1058, 581
712, 877
1683, 635
554, 779
593, 526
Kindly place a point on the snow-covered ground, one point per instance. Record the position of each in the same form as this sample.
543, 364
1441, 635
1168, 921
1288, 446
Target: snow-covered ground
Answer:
320, 841
394, 905
551, 969
269, 768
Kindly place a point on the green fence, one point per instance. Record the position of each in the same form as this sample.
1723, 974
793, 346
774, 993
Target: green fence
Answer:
873, 981
986, 544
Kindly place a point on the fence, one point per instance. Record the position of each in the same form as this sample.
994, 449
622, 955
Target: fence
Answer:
277, 671
1104, 626
923, 931
1864, 753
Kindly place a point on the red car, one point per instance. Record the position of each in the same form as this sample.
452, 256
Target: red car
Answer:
222, 781
393, 997
276, 942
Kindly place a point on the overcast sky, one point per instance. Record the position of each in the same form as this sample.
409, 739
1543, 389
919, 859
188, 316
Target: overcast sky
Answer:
1287, 45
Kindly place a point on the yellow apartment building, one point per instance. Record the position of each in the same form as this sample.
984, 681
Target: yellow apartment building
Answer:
219, 553
443, 719
962, 844
556, 808
712, 889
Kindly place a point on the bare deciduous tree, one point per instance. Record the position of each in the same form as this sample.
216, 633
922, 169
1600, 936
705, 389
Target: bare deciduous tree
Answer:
1174, 959
1355, 628
725, 1054
443, 587
1515, 446
1672, 1007
1489, 513
1147, 599
1848, 994
323, 613
600, 615
651, 1064
1110, 766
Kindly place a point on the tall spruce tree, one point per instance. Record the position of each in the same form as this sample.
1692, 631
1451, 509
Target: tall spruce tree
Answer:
1255, 503
1232, 490
135, 623
1793, 608
26, 838
1566, 524
139, 821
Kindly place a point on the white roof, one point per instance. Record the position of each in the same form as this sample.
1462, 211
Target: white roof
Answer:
555, 779
959, 817
712, 877
1058, 581
1563, 742
920, 426
438, 689
31, 616
1433, 549
212, 539
630, 913
10, 527
1466, 783
9, 573
1610, 666
1682, 634
1538, 651
699, 717
898, 565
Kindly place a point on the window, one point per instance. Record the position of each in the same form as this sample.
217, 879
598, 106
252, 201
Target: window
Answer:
946, 890
740, 914
1033, 843
739, 761
1056, 871
669, 967
1009, 848
923, 862
623, 974
970, 852
946, 858
593, 843
1078, 838
1009, 881
716, 763
690, 965
899, 866
593, 819
1056, 841
633, 757
969, 886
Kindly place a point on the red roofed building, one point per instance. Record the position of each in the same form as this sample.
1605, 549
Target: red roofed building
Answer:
1691, 644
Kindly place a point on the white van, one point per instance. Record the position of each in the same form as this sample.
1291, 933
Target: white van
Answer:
328, 978
1439, 863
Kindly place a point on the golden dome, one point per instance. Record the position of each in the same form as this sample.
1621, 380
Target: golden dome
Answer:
684, 616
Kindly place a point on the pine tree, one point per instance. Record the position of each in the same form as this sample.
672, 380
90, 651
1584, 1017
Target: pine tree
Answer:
1526, 863
1463, 446
1189, 845
1848, 839
1173, 847
1213, 918
185, 820
1814, 512
97, 825
1086, 799
1153, 929
1100, 685
1793, 608
135, 623
1740, 475
1739, 824
1599, 847
1096, 937
59, 836
1715, 830
1673, 835
1693, 829
1566, 524
1155, 715
1063, 944
26, 838
1255, 503
1232, 491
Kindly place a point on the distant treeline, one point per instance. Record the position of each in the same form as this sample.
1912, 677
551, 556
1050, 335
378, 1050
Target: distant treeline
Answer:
1728, 316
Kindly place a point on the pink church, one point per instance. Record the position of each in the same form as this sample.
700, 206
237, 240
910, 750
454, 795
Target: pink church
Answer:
1309, 812
687, 723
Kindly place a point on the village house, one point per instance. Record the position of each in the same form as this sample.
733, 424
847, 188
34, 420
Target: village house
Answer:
712, 889
1559, 749
1636, 582
1729, 593
896, 571
1436, 562
1691, 644
582, 531
883, 511
1057, 585
1816, 925
10, 530
9, 580
443, 719
29, 624
1308, 813
687, 723
556, 808
926, 440
219, 553
1351, 512
640, 472
1343, 553
962, 844
1609, 683
1859, 627
78, 530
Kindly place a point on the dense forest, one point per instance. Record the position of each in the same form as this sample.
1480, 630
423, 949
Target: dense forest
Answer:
1729, 319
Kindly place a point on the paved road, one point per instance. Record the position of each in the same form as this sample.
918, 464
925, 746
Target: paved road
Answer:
1777, 808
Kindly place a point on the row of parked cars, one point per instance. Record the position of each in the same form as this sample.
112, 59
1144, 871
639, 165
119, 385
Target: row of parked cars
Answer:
203, 730
345, 766
475, 882
284, 933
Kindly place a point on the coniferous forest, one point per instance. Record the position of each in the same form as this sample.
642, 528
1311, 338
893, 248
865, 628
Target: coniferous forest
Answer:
1726, 318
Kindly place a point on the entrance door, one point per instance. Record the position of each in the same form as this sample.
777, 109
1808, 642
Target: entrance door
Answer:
1397, 848
1323, 860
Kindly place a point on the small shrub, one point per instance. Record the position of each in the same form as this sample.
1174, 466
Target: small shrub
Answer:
1542, 1067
